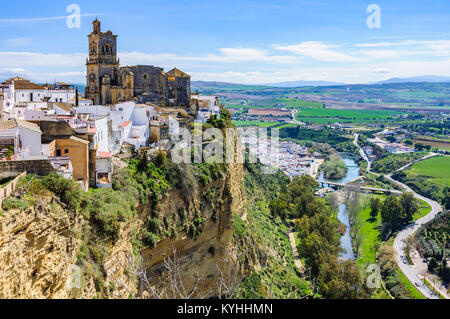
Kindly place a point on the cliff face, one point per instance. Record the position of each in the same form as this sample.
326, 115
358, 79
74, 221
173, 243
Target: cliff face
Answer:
38, 245
37, 251
200, 256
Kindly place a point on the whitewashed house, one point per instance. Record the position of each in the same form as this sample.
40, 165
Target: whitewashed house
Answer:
20, 91
29, 136
62, 109
207, 106
81, 101
59, 92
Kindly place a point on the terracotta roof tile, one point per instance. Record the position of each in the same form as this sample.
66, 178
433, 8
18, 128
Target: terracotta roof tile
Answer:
126, 123
103, 154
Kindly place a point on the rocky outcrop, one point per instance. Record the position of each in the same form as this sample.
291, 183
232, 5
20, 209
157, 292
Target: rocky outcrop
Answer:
37, 253
39, 245
202, 258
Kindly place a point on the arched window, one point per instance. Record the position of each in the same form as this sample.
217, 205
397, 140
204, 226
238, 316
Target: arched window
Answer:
106, 48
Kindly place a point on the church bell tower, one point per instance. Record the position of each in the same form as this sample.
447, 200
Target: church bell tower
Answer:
102, 65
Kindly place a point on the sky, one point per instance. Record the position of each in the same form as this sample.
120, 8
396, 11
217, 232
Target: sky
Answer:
249, 42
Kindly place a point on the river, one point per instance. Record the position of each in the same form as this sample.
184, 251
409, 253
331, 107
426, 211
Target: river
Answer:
352, 173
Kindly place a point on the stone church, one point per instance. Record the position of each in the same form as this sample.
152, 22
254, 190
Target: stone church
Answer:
109, 83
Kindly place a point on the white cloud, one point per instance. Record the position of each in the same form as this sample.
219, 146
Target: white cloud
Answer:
387, 54
387, 44
28, 20
227, 55
381, 71
21, 59
369, 62
19, 42
411, 47
74, 77
320, 51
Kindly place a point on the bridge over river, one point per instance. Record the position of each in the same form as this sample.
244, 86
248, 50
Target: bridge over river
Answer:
363, 189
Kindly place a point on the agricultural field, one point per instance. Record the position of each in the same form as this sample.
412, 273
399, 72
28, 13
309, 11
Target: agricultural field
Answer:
432, 240
254, 123
436, 169
439, 143
383, 95
370, 230
429, 178
284, 102
351, 116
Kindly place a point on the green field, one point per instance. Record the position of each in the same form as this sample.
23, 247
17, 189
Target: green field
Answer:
424, 209
437, 169
370, 231
284, 102
370, 236
319, 115
255, 123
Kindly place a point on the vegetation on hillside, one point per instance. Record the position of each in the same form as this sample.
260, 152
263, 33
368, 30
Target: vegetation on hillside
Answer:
319, 243
392, 162
263, 238
433, 243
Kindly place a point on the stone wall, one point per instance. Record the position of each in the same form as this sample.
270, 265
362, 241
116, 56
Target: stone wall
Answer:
41, 167
10, 188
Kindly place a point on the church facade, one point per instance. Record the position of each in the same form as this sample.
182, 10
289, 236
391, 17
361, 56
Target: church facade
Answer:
109, 83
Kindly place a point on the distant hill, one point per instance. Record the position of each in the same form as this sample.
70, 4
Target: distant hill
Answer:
299, 84
292, 84
423, 78
211, 84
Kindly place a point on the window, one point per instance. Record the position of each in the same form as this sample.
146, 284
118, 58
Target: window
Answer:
66, 151
58, 152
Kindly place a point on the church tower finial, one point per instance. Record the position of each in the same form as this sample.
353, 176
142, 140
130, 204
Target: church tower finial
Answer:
96, 24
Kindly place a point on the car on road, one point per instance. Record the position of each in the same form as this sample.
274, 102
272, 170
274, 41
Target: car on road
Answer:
417, 284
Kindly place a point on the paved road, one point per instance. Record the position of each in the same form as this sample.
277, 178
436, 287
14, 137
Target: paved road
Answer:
399, 244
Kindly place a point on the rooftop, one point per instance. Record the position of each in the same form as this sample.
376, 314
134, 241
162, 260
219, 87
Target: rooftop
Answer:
12, 123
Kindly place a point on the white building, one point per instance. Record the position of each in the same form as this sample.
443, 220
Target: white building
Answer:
19, 91
103, 170
81, 101
62, 109
208, 105
29, 137
129, 123
59, 92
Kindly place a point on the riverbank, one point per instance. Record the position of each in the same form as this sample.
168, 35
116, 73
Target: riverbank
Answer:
352, 172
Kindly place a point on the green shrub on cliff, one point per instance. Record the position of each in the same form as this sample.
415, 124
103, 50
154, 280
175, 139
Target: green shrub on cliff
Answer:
14, 203
68, 191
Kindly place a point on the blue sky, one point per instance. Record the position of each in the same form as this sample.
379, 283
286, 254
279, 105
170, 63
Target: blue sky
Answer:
235, 41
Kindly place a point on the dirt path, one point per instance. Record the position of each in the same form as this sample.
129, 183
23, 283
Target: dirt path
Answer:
297, 261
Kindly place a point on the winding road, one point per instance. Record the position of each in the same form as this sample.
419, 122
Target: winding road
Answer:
410, 271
